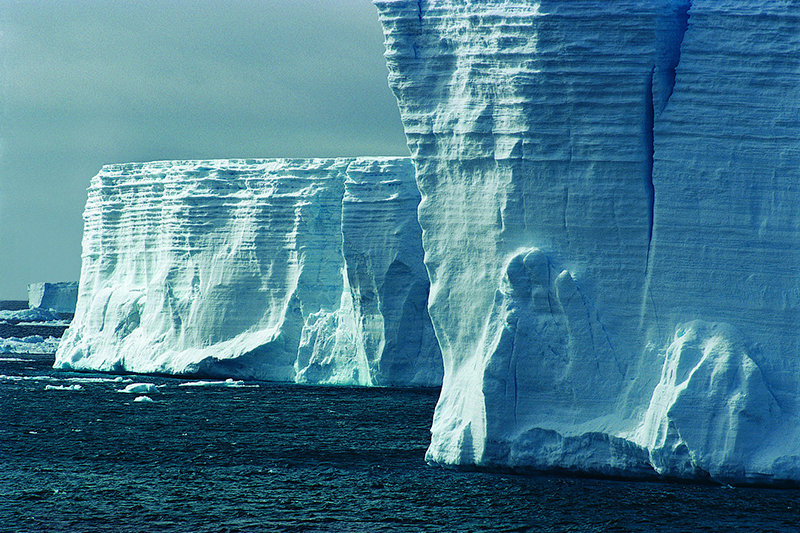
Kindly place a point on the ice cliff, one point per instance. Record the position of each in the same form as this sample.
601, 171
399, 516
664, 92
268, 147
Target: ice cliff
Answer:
306, 270
609, 215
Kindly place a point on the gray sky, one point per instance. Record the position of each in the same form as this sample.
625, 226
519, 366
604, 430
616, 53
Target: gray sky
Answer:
89, 82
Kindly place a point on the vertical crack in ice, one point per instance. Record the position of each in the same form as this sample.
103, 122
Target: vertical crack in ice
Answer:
683, 25
513, 363
650, 190
670, 34
565, 205
673, 32
419, 19
549, 296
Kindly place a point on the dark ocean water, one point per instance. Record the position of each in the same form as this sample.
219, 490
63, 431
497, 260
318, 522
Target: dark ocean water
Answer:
13, 305
269, 457
291, 458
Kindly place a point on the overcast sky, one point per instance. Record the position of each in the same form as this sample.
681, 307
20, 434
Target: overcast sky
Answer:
89, 82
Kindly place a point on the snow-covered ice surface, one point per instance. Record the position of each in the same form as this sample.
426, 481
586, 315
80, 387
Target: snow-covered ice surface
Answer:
307, 270
609, 214
61, 296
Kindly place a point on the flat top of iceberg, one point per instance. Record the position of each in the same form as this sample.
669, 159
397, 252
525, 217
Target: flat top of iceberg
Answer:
234, 164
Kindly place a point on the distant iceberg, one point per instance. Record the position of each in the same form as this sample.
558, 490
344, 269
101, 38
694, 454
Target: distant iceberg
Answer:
60, 297
300, 270
610, 220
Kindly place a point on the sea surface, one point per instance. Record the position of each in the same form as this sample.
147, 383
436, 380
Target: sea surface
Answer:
262, 457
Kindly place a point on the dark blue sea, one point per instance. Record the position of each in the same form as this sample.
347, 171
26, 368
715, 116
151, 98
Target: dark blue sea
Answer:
269, 457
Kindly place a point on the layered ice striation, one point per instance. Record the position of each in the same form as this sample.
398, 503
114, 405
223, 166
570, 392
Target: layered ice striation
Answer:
609, 218
307, 270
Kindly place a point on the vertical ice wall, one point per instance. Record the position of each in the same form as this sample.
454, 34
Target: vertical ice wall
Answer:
607, 192
240, 268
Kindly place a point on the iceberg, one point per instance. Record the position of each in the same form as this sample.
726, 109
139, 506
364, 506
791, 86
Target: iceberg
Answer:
60, 297
298, 270
609, 219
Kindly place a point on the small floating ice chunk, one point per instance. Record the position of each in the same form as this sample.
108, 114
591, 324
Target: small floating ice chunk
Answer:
63, 387
140, 388
144, 399
227, 383
91, 380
